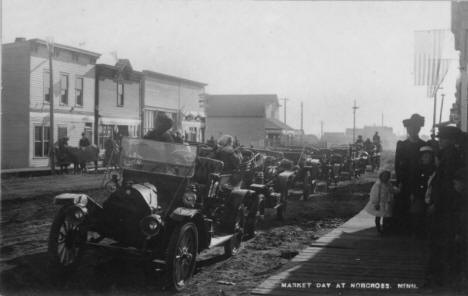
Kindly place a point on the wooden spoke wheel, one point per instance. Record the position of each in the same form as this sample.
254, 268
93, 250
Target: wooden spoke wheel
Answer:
181, 255
67, 239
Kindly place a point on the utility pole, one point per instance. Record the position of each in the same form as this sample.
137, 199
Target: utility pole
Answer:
354, 121
302, 123
382, 120
50, 43
441, 108
302, 117
321, 130
284, 105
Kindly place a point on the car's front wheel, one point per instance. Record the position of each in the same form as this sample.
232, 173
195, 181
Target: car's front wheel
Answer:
181, 255
67, 239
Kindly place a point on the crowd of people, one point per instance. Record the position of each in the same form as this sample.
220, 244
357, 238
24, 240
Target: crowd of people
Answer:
428, 199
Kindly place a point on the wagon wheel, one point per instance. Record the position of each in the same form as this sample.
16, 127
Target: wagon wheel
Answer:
67, 239
181, 255
232, 247
307, 186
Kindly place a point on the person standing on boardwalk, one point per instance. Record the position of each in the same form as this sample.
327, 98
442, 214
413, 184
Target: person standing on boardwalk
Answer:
417, 201
444, 208
381, 201
406, 169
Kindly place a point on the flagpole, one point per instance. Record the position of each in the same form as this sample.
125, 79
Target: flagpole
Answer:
435, 112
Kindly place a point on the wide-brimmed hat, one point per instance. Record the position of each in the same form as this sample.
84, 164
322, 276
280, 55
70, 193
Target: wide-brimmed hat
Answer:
415, 120
449, 132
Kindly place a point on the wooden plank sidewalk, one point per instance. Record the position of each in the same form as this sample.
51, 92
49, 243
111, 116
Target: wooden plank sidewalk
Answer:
354, 260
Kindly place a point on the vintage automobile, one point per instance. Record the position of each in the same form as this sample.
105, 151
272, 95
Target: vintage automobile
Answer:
270, 176
306, 166
170, 205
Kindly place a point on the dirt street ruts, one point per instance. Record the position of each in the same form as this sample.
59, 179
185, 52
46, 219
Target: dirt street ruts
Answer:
25, 225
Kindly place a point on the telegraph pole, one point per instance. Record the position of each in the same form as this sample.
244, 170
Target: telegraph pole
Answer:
50, 44
284, 105
321, 130
354, 121
302, 123
382, 120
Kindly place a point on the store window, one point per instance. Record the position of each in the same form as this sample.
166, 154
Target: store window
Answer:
41, 141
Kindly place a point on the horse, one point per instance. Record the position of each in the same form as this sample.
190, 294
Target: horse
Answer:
80, 156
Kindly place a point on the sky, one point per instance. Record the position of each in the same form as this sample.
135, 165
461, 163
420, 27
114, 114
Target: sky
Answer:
322, 53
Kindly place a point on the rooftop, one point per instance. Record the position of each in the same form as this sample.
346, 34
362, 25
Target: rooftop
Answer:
174, 78
62, 46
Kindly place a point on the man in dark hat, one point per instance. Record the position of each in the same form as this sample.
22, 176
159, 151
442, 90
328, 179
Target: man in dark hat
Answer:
445, 199
407, 169
161, 131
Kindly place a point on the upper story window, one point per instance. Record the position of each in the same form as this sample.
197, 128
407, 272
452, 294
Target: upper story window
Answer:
46, 86
79, 91
120, 94
64, 89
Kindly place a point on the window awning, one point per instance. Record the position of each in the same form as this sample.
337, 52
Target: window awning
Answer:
118, 121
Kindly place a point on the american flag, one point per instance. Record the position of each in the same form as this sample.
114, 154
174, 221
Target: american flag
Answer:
431, 62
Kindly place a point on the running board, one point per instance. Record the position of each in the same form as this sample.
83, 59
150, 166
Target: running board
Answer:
219, 240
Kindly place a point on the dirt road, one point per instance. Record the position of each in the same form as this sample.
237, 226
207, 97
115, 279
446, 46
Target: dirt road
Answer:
25, 225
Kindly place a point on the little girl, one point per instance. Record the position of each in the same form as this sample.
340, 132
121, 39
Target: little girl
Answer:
380, 202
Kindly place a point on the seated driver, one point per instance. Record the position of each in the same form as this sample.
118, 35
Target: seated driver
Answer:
161, 131
227, 154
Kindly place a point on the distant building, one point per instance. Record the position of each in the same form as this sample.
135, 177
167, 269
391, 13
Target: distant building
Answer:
253, 119
336, 138
26, 96
118, 103
459, 112
178, 98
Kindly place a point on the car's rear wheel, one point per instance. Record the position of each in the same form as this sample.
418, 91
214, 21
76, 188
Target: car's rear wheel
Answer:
232, 247
67, 240
181, 255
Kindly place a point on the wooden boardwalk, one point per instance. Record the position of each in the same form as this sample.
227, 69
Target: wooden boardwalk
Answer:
353, 260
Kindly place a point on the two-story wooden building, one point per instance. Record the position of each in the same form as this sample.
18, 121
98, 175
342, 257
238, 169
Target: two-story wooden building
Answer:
178, 98
252, 118
118, 101
26, 99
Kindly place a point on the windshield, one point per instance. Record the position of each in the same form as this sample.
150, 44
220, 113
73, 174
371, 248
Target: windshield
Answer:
158, 157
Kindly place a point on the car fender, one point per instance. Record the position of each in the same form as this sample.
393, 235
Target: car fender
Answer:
72, 199
181, 213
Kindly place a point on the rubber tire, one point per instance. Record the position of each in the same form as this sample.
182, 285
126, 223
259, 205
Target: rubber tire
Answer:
232, 247
176, 237
56, 268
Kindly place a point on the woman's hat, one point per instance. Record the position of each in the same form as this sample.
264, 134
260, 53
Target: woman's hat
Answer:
415, 120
